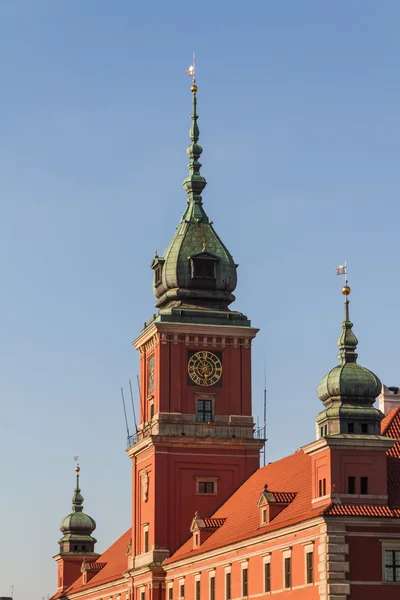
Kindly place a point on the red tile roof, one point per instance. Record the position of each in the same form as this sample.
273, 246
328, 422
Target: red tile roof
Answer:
213, 523
116, 564
95, 566
360, 510
240, 510
390, 427
284, 497
238, 519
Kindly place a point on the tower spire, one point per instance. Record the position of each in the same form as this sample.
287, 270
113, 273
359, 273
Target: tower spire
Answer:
347, 341
194, 183
77, 498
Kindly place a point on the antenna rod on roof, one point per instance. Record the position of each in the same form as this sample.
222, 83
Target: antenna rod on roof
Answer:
133, 406
140, 395
265, 409
126, 420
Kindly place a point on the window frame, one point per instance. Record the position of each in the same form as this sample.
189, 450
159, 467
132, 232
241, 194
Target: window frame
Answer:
244, 583
206, 481
228, 583
204, 412
170, 591
267, 578
146, 545
211, 586
394, 548
309, 568
287, 574
197, 588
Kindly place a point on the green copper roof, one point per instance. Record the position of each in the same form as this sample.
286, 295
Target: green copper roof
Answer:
349, 381
77, 524
196, 270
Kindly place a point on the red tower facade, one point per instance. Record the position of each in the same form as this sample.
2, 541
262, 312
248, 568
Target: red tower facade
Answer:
195, 444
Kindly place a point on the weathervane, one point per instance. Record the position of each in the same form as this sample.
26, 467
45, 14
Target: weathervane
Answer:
342, 270
192, 69
76, 459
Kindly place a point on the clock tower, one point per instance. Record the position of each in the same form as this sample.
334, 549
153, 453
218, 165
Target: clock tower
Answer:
196, 442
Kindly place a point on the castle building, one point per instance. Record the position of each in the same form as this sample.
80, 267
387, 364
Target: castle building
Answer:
207, 522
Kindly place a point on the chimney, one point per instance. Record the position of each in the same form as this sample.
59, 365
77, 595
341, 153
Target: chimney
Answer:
389, 398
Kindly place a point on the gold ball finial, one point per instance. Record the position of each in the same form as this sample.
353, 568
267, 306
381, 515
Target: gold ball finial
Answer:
194, 88
346, 290
77, 468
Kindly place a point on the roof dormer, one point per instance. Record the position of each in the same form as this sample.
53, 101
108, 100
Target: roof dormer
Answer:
272, 503
203, 528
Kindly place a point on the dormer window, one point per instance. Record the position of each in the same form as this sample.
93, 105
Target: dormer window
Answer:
203, 266
157, 274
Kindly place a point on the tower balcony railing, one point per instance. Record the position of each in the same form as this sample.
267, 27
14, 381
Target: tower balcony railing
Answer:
197, 429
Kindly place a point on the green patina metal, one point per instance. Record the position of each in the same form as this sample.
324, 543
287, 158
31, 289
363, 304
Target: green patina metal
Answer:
349, 390
77, 527
349, 381
179, 293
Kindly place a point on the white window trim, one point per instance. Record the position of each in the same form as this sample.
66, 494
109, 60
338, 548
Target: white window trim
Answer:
207, 479
309, 549
145, 527
196, 578
389, 545
287, 553
266, 561
244, 565
211, 575
227, 569
181, 582
170, 586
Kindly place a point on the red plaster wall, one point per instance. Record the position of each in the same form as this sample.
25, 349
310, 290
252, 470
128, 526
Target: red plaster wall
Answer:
255, 570
172, 392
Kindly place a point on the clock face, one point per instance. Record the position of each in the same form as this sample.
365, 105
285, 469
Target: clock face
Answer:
204, 368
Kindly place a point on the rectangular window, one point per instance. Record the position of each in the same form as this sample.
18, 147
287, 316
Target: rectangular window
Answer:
350, 427
264, 515
245, 582
142, 595
392, 565
197, 589
146, 540
288, 572
227, 586
212, 588
267, 577
322, 487
351, 485
310, 567
204, 411
321, 432
206, 487
170, 593
364, 427
364, 485
182, 590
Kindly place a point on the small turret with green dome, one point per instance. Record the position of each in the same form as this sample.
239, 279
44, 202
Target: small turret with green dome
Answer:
349, 390
77, 527
195, 277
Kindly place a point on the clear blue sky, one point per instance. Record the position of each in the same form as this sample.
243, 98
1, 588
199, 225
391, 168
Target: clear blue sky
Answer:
300, 124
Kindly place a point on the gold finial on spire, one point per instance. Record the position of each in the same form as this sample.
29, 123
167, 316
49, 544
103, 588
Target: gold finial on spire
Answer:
76, 459
342, 270
192, 73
